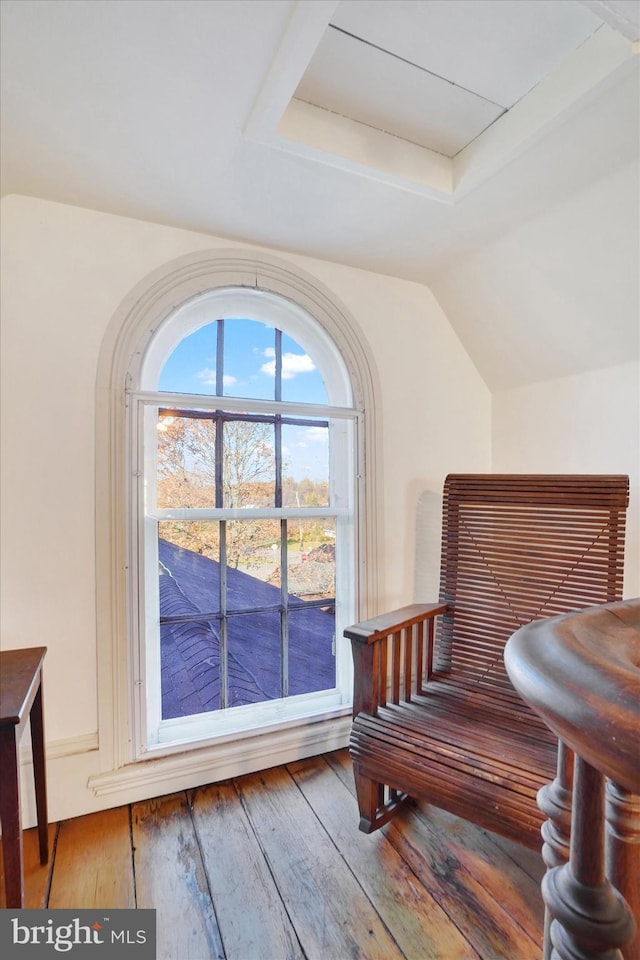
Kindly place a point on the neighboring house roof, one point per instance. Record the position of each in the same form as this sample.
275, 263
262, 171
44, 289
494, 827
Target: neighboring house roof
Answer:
190, 651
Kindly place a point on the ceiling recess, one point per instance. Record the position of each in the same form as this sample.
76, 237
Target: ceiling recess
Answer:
434, 96
437, 73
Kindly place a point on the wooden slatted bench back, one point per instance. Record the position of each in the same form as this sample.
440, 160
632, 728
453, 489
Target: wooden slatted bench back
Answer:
435, 715
522, 548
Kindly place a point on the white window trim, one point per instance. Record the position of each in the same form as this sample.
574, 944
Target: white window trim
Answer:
133, 325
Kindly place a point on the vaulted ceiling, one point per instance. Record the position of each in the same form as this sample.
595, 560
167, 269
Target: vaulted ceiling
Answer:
487, 148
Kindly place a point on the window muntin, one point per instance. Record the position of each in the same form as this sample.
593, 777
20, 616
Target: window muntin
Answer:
195, 501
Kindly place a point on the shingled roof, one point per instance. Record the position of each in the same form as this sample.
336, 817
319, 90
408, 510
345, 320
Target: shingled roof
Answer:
190, 651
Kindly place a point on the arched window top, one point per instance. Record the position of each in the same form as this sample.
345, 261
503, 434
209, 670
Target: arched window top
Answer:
238, 342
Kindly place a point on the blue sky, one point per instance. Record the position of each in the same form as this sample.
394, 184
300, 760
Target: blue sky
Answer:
249, 371
248, 365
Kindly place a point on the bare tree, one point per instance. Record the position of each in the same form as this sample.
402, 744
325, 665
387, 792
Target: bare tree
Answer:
248, 464
187, 460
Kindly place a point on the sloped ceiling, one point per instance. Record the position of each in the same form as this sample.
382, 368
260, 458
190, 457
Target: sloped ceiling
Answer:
196, 113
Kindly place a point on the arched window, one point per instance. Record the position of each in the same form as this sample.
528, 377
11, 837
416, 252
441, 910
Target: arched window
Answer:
241, 542
243, 552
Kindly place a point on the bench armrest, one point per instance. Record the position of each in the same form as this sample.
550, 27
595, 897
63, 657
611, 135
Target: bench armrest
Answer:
392, 655
368, 631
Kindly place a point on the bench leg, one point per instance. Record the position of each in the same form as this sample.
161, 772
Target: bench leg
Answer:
374, 811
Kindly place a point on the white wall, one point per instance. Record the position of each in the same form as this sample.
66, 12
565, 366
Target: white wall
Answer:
589, 423
64, 273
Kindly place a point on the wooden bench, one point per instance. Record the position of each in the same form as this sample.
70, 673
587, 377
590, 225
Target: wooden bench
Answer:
435, 715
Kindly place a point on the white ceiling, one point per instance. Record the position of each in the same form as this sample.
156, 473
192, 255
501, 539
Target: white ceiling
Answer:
180, 112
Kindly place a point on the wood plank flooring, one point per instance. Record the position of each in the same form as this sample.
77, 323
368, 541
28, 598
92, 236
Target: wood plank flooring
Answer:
271, 866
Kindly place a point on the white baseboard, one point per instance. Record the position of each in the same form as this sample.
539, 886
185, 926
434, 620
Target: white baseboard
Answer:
209, 764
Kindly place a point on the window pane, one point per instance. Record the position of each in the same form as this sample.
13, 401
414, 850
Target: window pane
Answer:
301, 381
311, 562
191, 368
312, 665
189, 570
255, 668
249, 351
189, 585
253, 564
305, 467
186, 461
249, 467
191, 677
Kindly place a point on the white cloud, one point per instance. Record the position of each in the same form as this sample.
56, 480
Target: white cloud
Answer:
292, 364
317, 434
208, 377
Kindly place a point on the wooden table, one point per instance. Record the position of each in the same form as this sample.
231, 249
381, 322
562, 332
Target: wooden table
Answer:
20, 700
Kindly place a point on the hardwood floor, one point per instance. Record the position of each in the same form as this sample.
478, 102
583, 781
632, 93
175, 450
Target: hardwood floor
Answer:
272, 866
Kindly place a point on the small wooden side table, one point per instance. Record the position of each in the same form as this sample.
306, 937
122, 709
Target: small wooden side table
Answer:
20, 699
